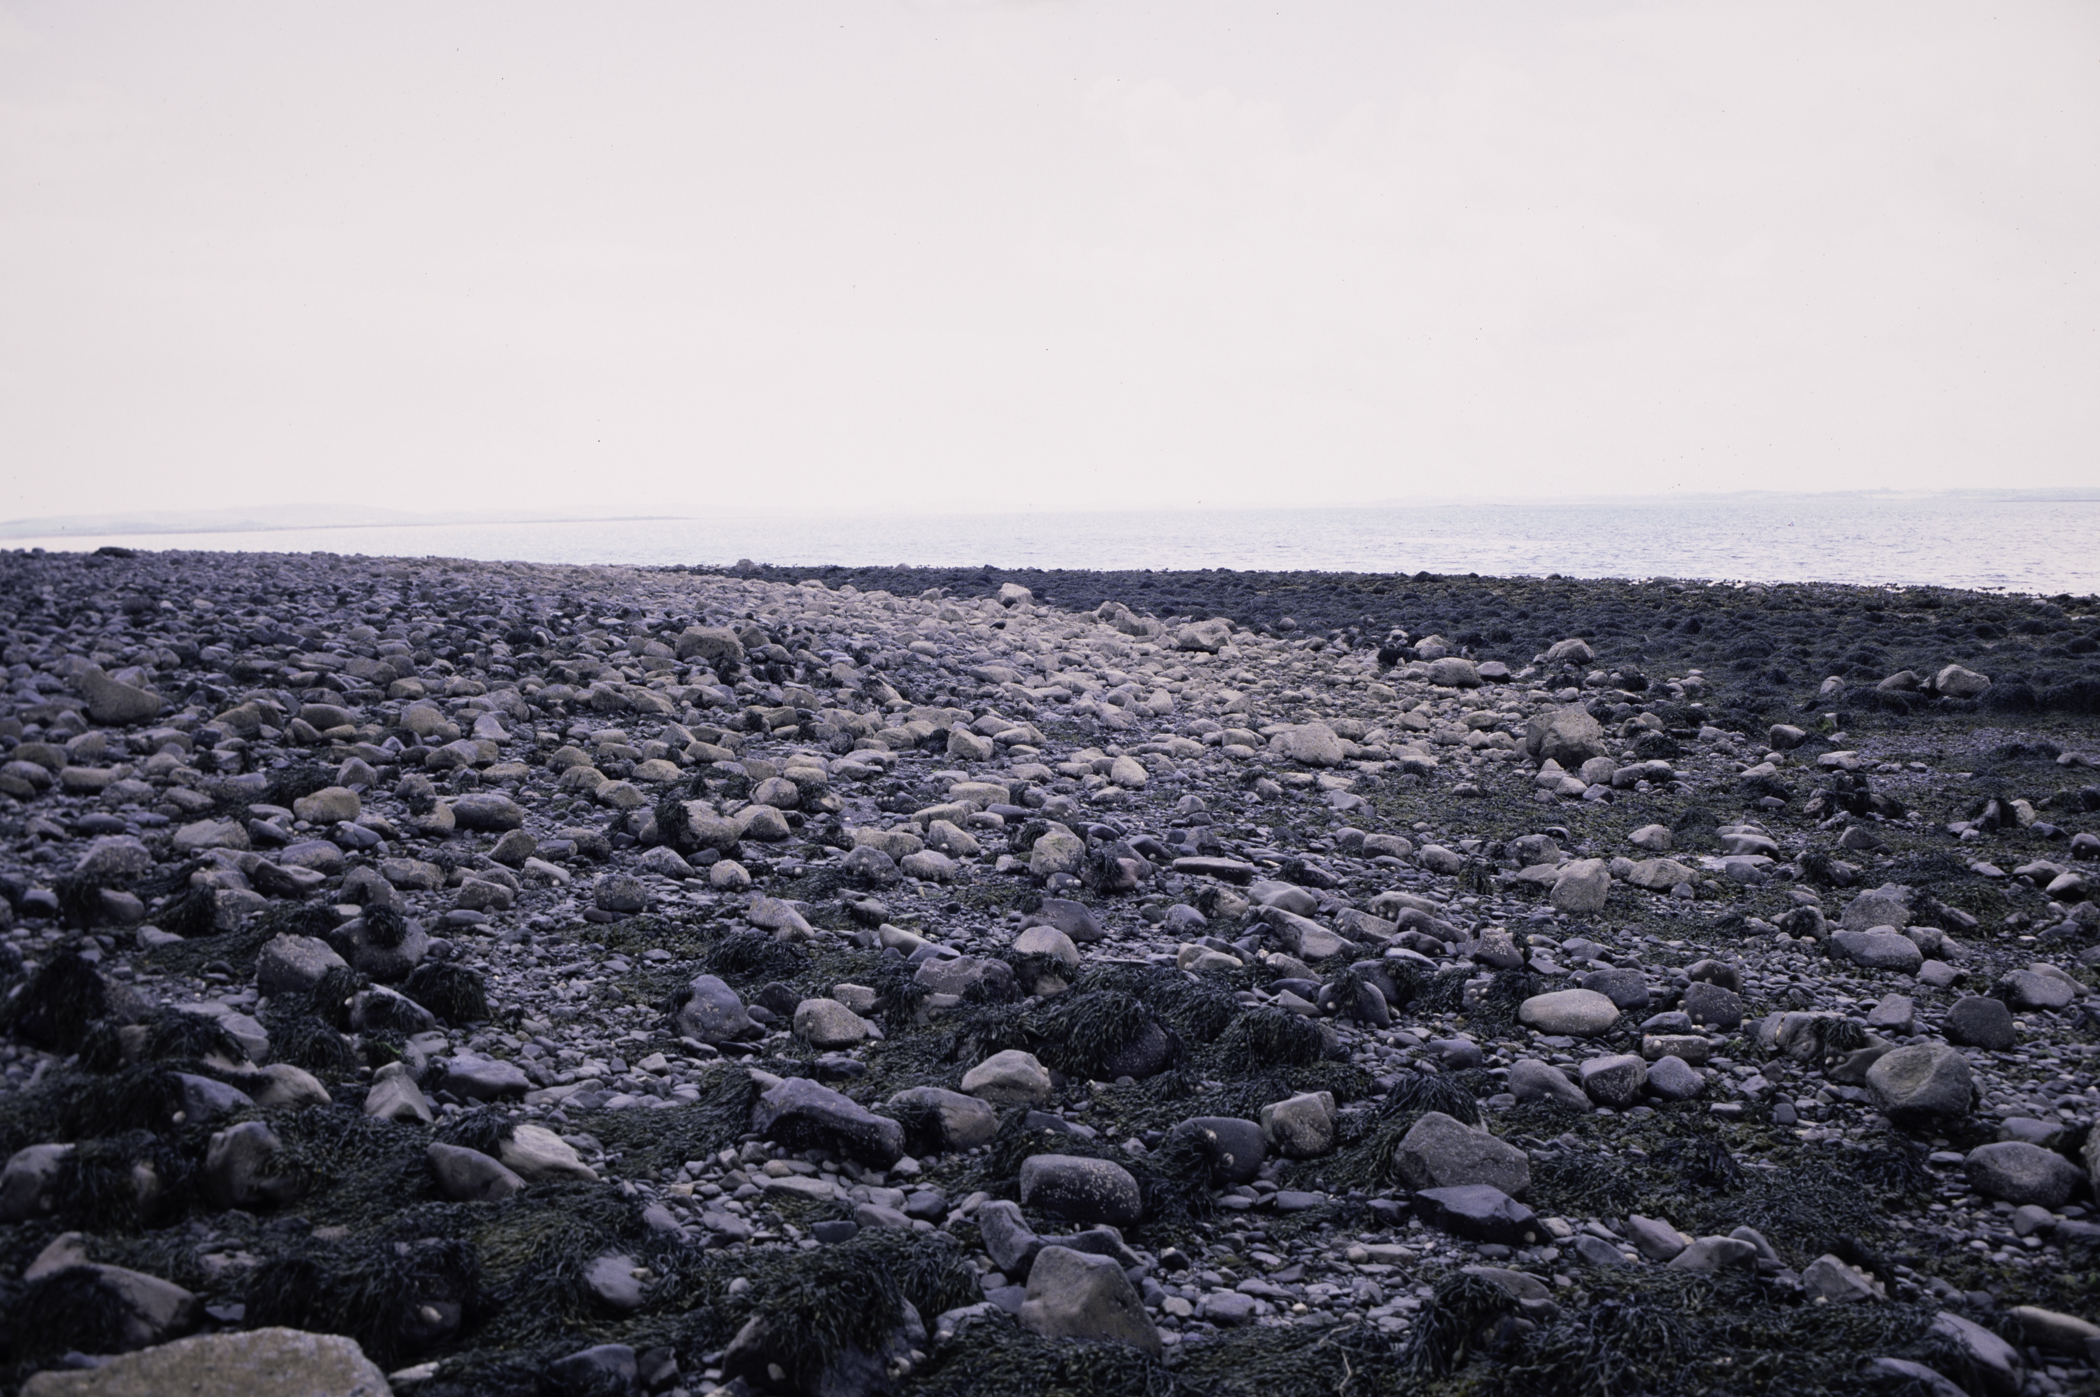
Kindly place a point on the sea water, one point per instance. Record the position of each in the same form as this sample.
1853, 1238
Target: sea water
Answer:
2018, 543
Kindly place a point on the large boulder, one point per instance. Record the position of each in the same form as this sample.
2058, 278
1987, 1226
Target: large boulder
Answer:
1567, 735
961, 1122
250, 1363
1081, 1188
713, 1013
1311, 744
1974, 1021
1441, 1152
2022, 1173
1576, 1013
802, 1114
1009, 1078
1236, 1147
1923, 1084
1478, 1213
1072, 1295
1302, 1126
289, 964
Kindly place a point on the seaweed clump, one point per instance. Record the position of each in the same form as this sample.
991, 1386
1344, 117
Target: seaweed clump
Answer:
454, 993
1264, 1037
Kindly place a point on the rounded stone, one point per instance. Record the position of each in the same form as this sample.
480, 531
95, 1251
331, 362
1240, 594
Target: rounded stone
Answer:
1576, 1013
1081, 1188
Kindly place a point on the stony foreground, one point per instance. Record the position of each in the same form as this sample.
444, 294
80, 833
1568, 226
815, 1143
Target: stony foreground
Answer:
598, 980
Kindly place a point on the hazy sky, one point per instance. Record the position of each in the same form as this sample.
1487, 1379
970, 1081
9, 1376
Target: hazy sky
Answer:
950, 255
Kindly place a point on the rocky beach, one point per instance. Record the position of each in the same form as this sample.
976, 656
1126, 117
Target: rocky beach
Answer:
456, 978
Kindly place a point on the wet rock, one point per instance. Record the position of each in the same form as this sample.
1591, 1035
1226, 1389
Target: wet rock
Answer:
480, 1078
1532, 1080
602, 1370
238, 1168
1830, 1279
1878, 950
1673, 1079
536, 1153
29, 1184
1236, 1147
396, 1097
1615, 1081
965, 1122
826, 1023
1008, 1239
713, 1013
1569, 736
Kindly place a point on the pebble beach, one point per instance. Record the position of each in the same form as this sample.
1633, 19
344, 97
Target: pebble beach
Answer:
450, 977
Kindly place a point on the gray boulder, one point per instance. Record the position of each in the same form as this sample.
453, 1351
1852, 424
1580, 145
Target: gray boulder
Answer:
1877, 950
1478, 1213
1567, 735
251, 1363
1082, 1189
1439, 1152
1923, 1084
241, 1168
1974, 1021
963, 1122
1673, 1079
1532, 1080
29, 1184
713, 1013
1075, 1296
1576, 1013
801, 1114
467, 1176
1236, 1147
1614, 1081
1008, 1239
293, 964
1300, 1127
2022, 1173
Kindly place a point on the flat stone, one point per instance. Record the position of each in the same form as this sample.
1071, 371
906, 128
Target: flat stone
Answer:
1878, 950
826, 1023
536, 1154
1532, 1080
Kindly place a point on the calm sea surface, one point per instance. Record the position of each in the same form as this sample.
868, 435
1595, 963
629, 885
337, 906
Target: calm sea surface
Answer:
2022, 544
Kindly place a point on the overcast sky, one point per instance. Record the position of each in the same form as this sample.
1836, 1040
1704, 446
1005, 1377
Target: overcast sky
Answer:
948, 255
